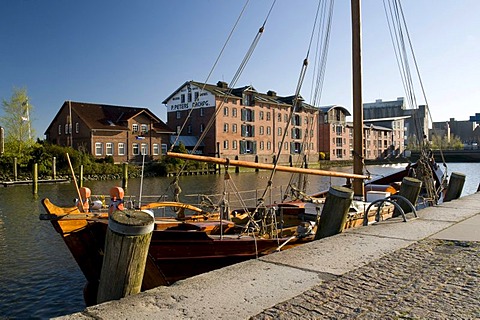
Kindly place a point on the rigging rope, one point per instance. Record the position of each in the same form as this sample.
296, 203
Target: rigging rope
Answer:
398, 31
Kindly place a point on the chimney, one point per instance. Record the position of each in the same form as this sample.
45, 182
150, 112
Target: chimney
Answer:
271, 93
222, 84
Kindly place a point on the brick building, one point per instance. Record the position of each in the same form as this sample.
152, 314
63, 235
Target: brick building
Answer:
125, 133
381, 137
242, 122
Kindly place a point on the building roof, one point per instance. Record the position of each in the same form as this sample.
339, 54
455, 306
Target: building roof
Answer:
109, 117
325, 109
222, 89
187, 141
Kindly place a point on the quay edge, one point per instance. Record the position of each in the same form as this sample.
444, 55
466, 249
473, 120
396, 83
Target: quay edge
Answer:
274, 285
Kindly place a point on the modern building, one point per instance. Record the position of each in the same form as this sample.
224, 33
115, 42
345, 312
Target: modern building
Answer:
124, 133
416, 125
242, 122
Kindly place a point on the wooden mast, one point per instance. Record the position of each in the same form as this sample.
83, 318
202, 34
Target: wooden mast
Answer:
358, 186
266, 166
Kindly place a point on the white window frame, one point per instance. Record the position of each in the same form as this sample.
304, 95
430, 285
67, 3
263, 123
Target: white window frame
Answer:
121, 148
109, 148
135, 127
135, 149
156, 149
98, 148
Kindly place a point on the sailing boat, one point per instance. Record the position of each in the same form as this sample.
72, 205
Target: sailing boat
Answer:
179, 248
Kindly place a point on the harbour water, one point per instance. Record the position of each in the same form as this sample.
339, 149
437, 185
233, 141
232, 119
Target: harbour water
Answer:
38, 276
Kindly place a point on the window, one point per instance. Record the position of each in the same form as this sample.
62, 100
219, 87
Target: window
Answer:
248, 115
268, 116
234, 127
248, 130
261, 115
225, 144
189, 97
179, 114
135, 127
269, 130
279, 131
262, 146
164, 148
269, 145
234, 112
202, 127
225, 111
156, 149
248, 147
179, 128
135, 150
279, 117
182, 98
98, 149
59, 129
196, 94
296, 133
109, 149
296, 120
144, 128
261, 130
121, 149
225, 127
286, 117
189, 128
296, 147
144, 148
77, 127
202, 111
234, 144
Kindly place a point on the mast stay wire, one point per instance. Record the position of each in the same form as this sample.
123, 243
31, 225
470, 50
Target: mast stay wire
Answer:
211, 71
295, 101
232, 84
396, 21
321, 53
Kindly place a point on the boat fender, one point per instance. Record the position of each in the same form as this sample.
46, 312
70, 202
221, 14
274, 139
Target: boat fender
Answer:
304, 229
96, 205
116, 199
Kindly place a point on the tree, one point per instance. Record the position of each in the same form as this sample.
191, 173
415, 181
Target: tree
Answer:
16, 122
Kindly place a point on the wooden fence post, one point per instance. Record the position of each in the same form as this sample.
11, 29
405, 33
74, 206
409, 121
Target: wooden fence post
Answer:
35, 178
126, 248
455, 186
54, 168
80, 177
334, 212
125, 176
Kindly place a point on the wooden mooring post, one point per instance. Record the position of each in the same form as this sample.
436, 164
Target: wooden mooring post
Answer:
455, 186
54, 168
334, 212
410, 189
80, 177
126, 249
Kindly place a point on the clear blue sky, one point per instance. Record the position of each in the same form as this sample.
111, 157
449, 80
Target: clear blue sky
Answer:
136, 53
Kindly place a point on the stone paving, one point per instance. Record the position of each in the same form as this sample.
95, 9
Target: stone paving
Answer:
431, 279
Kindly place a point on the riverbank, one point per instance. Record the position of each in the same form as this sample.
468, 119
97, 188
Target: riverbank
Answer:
424, 268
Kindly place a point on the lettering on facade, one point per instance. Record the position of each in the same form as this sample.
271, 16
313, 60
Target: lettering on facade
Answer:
174, 104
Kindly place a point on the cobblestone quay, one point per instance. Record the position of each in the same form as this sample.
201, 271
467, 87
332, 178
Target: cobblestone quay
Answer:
431, 279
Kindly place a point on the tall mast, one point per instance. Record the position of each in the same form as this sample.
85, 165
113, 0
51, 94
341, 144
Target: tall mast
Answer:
358, 187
